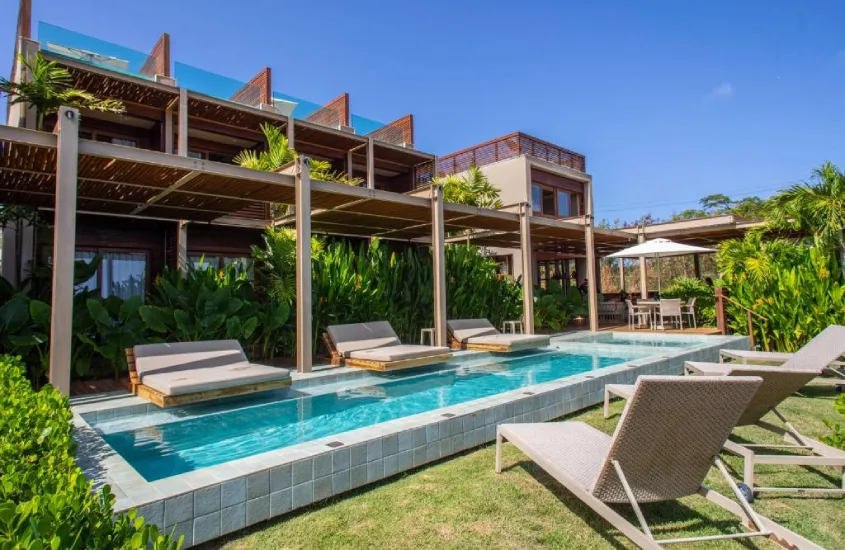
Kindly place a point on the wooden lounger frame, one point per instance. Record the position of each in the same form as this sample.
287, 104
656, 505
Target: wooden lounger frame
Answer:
456, 344
381, 366
163, 400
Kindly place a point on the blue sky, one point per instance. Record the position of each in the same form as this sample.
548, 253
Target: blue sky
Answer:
669, 100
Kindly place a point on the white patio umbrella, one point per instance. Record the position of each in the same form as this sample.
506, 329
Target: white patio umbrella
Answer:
659, 248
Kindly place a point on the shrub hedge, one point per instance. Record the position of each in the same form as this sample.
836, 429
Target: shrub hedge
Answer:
45, 499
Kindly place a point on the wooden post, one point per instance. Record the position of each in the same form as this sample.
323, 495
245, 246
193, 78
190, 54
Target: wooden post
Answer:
371, 164
349, 169
696, 265
64, 248
622, 275
643, 266
183, 123
182, 246
303, 265
720, 311
438, 241
751, 343
168, 131
289, 129
592, 275
527, 267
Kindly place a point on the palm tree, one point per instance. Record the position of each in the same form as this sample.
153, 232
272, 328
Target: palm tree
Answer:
473, 189
49, 87
817, 206
279, 153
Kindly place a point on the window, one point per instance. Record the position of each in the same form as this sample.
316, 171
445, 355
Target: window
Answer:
543, 199
122, 274
116, 140
536, 197
195, 155
548, 201
564, 203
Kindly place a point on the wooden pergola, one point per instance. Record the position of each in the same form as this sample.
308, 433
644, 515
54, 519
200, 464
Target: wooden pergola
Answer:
70, 175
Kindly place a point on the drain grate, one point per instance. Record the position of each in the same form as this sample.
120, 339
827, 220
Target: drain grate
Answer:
334, 444
447, 415
528, 393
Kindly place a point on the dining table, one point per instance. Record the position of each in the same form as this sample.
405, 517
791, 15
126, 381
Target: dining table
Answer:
653, 307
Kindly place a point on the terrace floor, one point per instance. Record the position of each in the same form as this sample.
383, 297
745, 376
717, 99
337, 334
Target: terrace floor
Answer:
460, 502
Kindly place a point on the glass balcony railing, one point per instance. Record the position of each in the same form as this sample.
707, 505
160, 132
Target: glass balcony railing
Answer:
93, 51
364, 125
216, 85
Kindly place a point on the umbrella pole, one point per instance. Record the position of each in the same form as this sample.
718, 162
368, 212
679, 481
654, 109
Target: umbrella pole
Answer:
659, 289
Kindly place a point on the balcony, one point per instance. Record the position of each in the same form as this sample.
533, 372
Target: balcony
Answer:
508, 147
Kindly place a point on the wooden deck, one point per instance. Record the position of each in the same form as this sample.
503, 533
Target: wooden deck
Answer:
624, 328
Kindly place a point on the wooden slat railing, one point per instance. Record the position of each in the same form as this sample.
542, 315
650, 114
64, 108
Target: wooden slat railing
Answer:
721, 318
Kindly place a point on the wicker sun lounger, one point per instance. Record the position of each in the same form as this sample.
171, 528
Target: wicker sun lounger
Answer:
690, 416
481, 335
799, 450
828, 343
375, 346
182, 373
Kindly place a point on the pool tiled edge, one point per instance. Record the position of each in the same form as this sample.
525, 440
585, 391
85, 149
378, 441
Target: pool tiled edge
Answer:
214, 501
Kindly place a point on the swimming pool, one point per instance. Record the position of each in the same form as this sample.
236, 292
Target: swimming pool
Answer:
161, 444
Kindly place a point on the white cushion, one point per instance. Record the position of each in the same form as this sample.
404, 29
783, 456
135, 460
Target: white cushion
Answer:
213, 378
182, 356
361, 336
398, 353
539, 340
464, 329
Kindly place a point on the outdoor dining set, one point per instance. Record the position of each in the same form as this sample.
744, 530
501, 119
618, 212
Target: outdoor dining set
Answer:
655, 314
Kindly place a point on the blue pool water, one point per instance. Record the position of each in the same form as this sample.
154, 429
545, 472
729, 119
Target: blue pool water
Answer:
648, 340
164, 444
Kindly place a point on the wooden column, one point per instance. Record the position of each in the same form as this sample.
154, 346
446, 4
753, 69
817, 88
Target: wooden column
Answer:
622, 274
643, 267
183, 122
182, 246
721, 322
64, 247
303, 264
349, 169
527, 267
592, 283
168, 131
371, 164
290, 131
696, 265
438, 249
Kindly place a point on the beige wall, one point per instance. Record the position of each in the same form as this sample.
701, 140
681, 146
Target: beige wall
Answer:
511, 177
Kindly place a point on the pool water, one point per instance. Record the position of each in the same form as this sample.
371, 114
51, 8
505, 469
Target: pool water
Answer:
648, 340
166, 443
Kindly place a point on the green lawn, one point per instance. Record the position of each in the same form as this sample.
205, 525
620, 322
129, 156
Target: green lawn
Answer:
460, 502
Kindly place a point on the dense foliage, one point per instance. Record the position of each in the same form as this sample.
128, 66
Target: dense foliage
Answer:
690, 287
837, 435
45, 500
795, 289
555, 306
472, 188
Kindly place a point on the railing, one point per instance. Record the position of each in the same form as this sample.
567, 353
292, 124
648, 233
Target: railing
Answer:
721, 319
95, 52
508, 147
216, 85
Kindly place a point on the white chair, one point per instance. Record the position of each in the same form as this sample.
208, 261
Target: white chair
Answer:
516, 326
639, 313
689, 311
670, 309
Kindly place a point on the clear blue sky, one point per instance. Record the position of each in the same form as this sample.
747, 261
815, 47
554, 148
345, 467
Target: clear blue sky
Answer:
669, 100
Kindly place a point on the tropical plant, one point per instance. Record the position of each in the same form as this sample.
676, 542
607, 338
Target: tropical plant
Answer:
279, 153
816, 206
690, 287
275, 262
202, 304
24, 331
795, 289
107, 327
554, 307
473, 188
45, 499
48, 87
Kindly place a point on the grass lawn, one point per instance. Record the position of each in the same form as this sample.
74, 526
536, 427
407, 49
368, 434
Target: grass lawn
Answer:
460, 502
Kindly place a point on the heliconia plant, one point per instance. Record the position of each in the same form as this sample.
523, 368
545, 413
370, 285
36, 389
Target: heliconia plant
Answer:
796, 290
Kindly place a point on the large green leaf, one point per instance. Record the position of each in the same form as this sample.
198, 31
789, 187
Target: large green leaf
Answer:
98, 312
155, 318
40, 313
14, 314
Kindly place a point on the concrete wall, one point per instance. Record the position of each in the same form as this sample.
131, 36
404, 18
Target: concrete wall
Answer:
512, 178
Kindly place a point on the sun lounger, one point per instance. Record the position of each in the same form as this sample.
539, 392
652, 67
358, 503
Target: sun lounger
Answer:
375, 346
668, 437
480, 334
181, 373
778, 384
829, 343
